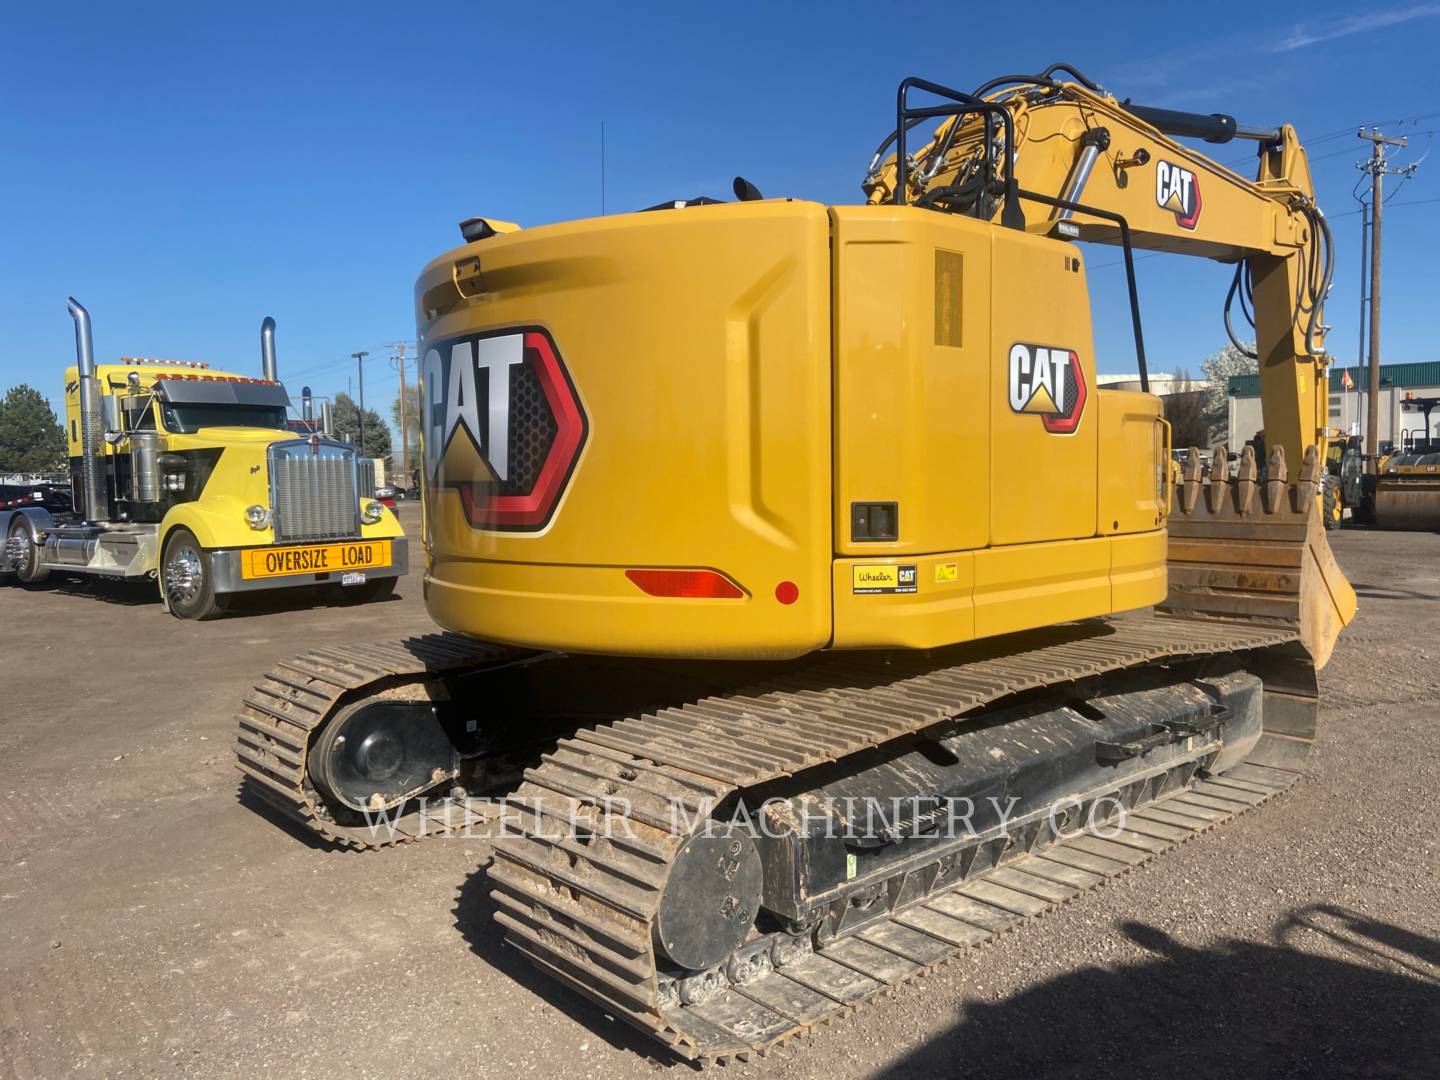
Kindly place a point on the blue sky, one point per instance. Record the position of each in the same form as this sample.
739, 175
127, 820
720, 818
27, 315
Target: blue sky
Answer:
186, 171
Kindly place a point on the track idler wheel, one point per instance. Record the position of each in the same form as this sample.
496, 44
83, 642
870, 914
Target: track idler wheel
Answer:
375, 755
711, 898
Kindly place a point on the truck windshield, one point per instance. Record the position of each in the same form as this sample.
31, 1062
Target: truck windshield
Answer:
189, 418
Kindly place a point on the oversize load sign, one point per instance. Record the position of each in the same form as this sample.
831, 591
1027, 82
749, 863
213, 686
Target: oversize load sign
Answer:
315, 559
502, 425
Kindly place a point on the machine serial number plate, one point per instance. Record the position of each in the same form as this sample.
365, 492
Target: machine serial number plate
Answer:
358, 555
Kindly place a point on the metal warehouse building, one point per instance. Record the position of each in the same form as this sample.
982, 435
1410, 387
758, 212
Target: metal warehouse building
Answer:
1347, 407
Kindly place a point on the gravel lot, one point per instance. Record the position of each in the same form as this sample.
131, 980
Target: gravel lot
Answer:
151, 923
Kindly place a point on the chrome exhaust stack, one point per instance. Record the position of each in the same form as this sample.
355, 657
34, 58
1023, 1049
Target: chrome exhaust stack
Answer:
267, 350
327, 420
92, 476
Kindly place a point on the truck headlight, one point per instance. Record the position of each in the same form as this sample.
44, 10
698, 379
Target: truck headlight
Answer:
257, 517
371, 512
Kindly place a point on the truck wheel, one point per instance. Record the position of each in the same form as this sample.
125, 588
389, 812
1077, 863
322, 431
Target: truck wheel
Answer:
25, 555
186, 577
1332, 509
374, 589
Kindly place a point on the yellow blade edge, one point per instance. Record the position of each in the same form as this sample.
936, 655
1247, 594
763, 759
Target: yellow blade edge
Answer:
1255, 551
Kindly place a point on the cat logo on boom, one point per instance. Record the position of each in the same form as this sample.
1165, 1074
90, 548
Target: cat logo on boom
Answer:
1048, 383
1178, 190
501, 424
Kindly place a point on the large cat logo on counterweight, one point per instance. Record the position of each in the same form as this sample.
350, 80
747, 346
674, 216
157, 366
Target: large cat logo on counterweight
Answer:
501, 424
1048, 383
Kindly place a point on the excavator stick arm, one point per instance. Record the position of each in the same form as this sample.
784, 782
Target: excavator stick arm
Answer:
1249, 549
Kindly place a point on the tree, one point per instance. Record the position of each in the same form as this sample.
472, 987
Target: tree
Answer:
1185, 409
347, 426
1218, 368
31, 439
411, 426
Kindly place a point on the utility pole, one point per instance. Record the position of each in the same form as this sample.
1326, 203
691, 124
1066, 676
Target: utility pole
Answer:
401, 348
1364, 301
1377, 167
360, 363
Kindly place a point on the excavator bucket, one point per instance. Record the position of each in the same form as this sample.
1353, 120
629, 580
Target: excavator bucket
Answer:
1255, 551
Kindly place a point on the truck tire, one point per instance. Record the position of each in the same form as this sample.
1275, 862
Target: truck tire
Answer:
1331, 508
30, 568
372, 590
187, 578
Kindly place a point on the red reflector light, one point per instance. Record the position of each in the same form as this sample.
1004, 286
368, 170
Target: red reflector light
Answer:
690, 584
787, 592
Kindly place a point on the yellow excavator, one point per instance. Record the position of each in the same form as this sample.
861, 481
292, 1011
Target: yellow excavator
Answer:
817, 612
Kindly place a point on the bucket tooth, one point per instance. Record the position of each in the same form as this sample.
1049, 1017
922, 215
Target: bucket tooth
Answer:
1247, 482
1256, 551
1191, 479
1275, 479
1219, 489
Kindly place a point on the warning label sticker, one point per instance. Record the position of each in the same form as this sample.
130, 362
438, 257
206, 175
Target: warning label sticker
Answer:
884, 578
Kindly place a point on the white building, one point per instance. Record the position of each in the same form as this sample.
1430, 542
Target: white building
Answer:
1160, 385
1398, 382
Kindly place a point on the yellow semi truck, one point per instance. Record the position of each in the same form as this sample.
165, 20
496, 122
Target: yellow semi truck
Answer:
194, 478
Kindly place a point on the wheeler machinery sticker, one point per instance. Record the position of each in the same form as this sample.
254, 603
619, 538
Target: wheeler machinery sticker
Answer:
1178, 190
885, 578
1049, 383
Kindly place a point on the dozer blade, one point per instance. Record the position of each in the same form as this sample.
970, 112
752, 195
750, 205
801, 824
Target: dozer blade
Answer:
1256, 551
1408, 502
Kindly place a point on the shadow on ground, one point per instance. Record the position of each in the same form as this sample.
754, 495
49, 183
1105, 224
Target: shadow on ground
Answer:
123, 593
244, 605
475, 919
1370, 1007
1384, 592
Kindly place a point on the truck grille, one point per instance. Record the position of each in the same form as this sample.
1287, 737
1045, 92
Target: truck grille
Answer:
315, 489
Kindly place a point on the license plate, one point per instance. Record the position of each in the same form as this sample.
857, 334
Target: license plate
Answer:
353, 577
344, 558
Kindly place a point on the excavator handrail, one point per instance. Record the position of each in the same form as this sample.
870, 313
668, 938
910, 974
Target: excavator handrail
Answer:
1011, 215
1119, 219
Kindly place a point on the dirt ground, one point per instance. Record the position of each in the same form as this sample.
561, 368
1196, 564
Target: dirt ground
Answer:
152, 924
